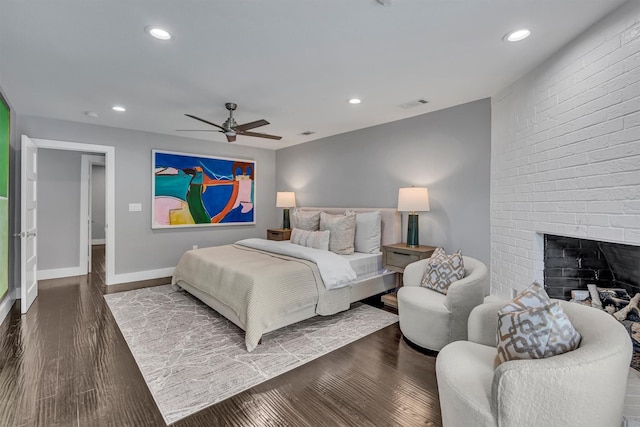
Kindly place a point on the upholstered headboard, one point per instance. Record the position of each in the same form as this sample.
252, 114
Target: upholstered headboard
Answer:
390, 218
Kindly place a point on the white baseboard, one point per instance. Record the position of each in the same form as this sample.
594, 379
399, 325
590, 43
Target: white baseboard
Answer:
6, 304
59, 272
97, 241
142, 275
135, 276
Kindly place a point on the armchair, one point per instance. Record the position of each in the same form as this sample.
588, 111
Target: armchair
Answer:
430, 319
584, 387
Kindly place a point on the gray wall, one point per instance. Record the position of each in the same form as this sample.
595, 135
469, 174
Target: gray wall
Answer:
98, 198
447, 151
138, 247
58, 209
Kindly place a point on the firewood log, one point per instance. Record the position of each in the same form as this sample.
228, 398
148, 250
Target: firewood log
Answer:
633, 304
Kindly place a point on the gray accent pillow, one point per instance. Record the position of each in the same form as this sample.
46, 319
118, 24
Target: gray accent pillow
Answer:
534, 327
311, 239
442, 270
533, 296
306, 220
368, 232
343, 231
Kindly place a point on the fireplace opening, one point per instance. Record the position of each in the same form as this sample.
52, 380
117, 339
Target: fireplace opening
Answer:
572, 264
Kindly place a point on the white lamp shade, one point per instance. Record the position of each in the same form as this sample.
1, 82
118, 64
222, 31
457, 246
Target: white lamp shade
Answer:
413, 199
285, 199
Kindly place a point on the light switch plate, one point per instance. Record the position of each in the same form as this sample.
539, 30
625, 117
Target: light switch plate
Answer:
135, 207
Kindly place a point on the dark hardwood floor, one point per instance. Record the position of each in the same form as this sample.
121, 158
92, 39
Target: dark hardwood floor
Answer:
66, 364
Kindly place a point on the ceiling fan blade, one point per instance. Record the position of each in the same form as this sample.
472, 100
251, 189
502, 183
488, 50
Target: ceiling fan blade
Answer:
231, 138
259, 135
197, 130
252, 125
205, 121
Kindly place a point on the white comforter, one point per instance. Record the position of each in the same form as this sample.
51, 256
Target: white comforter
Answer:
336, 272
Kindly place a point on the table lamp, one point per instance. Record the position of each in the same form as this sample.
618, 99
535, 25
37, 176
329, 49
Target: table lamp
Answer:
286, 200
413, 200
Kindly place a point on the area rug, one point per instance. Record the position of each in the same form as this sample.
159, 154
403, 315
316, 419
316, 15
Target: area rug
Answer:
191, 357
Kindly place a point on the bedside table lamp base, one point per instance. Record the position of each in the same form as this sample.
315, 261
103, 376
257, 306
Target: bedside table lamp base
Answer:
413, 200
412, 231
286, 200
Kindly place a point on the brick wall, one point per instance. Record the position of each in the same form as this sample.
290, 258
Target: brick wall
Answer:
566, 150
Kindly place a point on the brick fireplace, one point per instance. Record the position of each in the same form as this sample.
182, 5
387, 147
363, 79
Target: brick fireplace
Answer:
565, 156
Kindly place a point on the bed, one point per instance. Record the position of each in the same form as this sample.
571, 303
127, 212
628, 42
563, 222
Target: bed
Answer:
263, 285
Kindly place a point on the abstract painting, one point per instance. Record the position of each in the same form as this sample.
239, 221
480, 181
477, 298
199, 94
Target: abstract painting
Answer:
195, 190
4, 197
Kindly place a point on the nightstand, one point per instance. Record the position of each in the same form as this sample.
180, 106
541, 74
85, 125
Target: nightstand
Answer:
278, 234
395, 258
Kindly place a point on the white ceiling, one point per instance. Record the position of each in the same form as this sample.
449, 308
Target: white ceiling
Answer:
292, 62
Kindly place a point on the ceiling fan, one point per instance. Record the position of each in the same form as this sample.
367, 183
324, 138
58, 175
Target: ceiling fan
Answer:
231, 128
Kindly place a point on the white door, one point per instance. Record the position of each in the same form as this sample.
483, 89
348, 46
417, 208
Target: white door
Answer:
28, 253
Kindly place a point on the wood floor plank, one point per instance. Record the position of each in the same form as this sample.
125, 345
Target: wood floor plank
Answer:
66, 363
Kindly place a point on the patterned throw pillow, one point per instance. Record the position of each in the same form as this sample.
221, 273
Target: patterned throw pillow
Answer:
311, 239
343, 232
438, 254
442, 270
533, 296
533, 327
306, 220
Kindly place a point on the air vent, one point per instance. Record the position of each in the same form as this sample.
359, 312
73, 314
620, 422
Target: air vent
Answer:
308, 132
412, 104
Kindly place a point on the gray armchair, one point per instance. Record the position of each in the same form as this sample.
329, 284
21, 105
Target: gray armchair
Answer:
430, 319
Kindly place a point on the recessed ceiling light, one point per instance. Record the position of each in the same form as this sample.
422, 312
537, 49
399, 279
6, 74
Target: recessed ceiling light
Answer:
157, 32
517, 35
354, 101
119, 108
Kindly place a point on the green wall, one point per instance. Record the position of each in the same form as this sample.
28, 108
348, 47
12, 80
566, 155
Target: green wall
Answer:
4, 198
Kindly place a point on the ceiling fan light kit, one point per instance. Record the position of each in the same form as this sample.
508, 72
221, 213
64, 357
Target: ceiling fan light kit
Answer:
230, 128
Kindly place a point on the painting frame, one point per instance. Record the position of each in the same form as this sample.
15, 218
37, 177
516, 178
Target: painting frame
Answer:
199, 190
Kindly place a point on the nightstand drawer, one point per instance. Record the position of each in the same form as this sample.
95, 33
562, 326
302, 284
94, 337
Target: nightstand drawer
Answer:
278, 234
400, 260
397, 256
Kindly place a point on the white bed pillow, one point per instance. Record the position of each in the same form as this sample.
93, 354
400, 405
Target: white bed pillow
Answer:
311, 239
343, 231
306, 220
368, 232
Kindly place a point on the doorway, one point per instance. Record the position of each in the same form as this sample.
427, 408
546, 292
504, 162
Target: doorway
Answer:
98, 223
29, 240
93, 223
